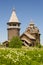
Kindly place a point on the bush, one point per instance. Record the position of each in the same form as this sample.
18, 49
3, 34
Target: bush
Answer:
38, 45
15, 42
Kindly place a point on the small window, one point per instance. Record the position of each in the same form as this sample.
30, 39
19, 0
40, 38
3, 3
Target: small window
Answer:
18, 24
10, 24
30, 45
14, 24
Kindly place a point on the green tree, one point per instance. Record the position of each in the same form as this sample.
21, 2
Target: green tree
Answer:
38, 45
15, 43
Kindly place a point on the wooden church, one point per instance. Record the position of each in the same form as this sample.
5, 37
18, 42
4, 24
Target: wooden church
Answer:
30, 37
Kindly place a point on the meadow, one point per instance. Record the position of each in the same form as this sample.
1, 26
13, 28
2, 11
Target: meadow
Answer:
21, 56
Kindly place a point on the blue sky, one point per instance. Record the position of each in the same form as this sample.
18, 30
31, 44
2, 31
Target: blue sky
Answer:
25, 10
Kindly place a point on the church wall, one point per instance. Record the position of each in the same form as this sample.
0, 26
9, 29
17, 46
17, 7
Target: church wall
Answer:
37, 37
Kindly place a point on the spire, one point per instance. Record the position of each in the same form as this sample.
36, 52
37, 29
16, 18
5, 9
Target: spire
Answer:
13, 17
13, 9
31, 22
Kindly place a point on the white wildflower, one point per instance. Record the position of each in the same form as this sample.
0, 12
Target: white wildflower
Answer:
39, 55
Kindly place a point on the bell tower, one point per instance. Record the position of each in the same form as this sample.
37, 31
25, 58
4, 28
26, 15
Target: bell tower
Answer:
13, 26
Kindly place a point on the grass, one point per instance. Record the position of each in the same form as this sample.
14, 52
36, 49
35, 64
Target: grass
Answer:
21, 56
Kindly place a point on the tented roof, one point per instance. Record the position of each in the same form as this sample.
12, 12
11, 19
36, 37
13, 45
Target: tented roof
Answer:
13, 17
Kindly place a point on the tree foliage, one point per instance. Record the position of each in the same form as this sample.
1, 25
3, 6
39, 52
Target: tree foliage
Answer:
15, 42
38, 45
